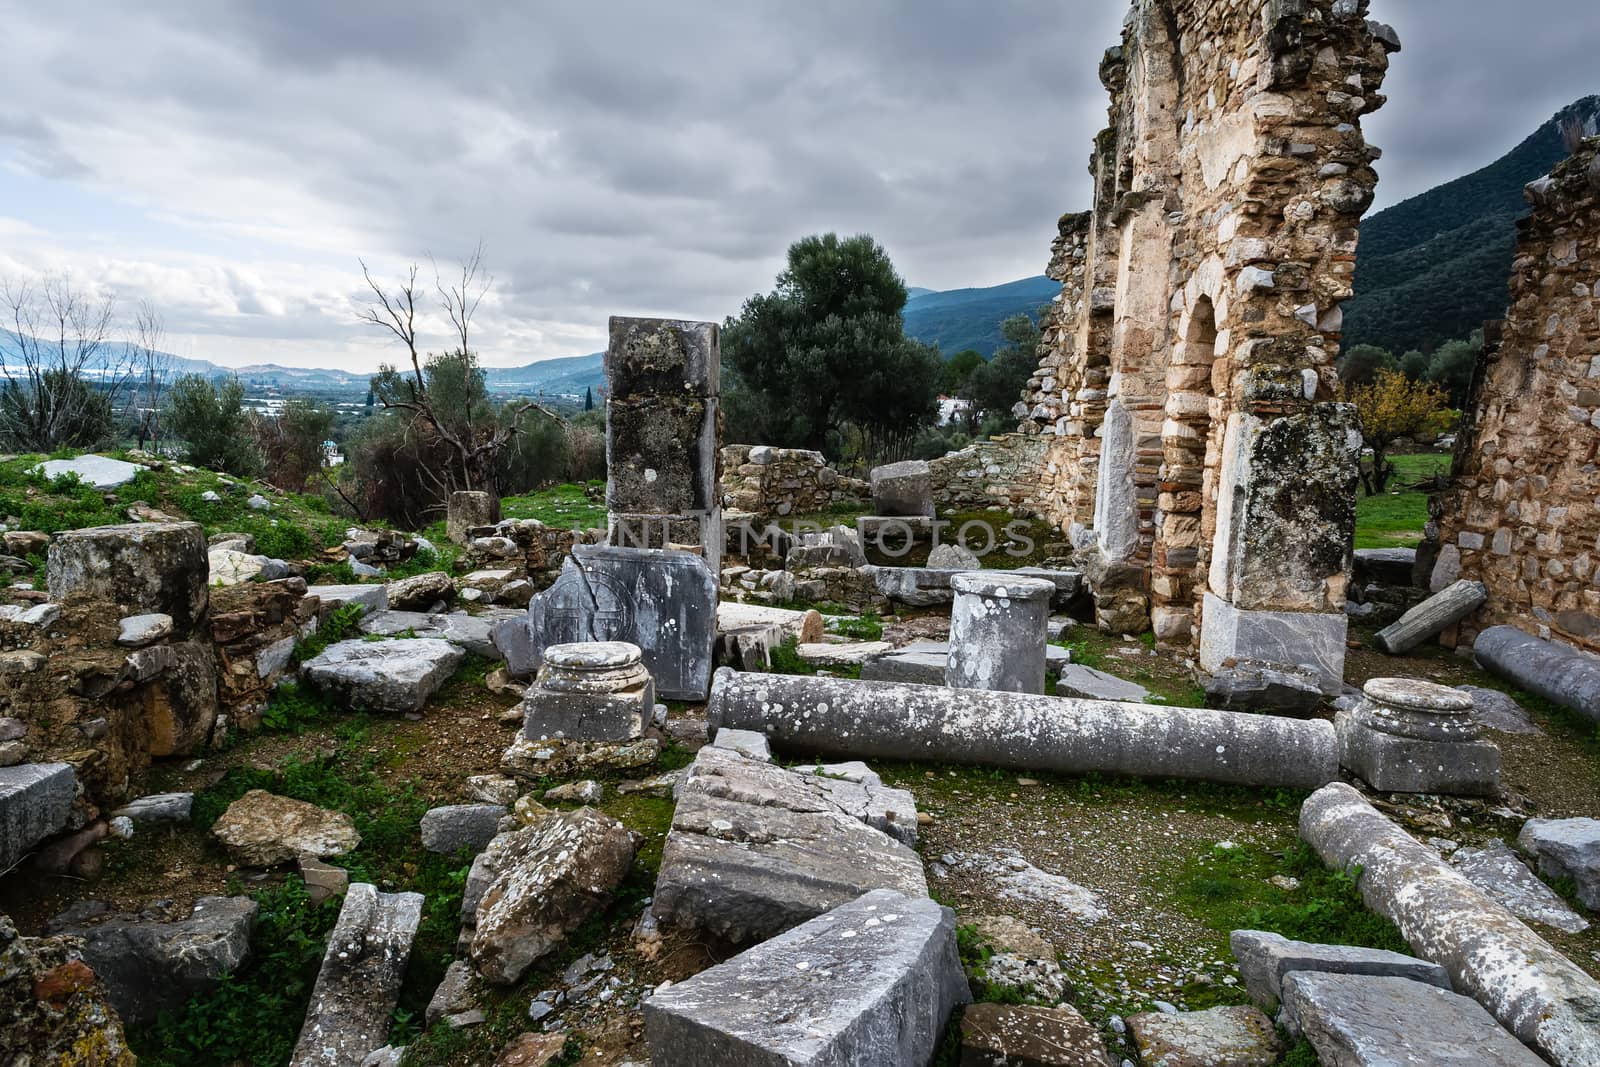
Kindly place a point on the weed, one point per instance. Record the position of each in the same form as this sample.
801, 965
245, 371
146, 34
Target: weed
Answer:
785, 659
342, 622
292, 709
868, 627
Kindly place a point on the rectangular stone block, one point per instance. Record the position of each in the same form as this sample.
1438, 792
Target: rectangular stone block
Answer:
661, 455
35, 801
1291, 638
657, 357
871, 982
134, 569
1265, 958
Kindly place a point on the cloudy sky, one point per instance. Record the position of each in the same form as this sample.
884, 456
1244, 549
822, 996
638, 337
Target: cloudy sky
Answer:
230, 160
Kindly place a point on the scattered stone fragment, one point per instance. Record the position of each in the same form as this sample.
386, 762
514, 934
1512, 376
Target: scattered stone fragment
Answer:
954, 557
566, 759
388, 677
1264, 958
1566, 848
1276, 689
871, 981
368, 598
1090, 684
1498, 711
1238, 1036
229, 567
421, 592
532, 1050
850, 654
748, 743
359, 983
755, 850
471, 632
102, 472
454, 993
158, 808
1012, 877
53, 1009
1014, 937
450, 829
661, 786
1004, 1035
492, 789
136, 631
35, 802
552, 877
1500, 872
153, 965
263, 830
1363, 1021
1431, 617
587, 791
323, 880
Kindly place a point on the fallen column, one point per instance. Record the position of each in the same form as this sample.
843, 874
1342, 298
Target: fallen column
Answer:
359, 983
1432, 617
892, 720
1533, 990
1556, 672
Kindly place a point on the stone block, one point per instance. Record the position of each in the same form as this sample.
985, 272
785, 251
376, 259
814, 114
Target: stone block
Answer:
1408, 736
1566, 848
1288, 638
468, 510
997, 632
263, 830
902, 488
1265, 958
35, 803
358, 986
158, 808
656, 357
1500, 873
756, 849
1004, 1035
871, 981
664, 602
1432, 617
102, 472
661, 456
472, 633
388, 677
748, 743
596, 691
421, 592
140, 568
1238, 1036
1364, 1021
454, 827
1090, 684
368, 598
1385, 566
1260, 687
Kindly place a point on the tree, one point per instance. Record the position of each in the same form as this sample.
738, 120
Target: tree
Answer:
152, 367
995, 387
63, 371
291, 441
1361, 363
959, 369
1453, 364
473, 432
1391, 406
211, 420
588, 398
827, 349
1414, 364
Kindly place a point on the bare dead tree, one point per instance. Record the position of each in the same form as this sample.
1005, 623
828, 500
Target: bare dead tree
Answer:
63, 373
398, 315
461, 299
153, 367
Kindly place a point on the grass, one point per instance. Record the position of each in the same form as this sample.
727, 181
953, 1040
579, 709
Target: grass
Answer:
566, 507
1396, 519
1092, 648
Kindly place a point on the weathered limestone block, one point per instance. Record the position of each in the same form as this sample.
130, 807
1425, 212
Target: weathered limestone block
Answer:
1432, 617
1556, 672
552, 876
1384, 566
756, 849
872, 981
747, 633
102, 472
359, 983
388, 677
1004, 1035
1532, 989
597, 691
53, 1009
181, 707
997, 632
1088, 683
1409, 736
35, 802
1500, 872
886, 720
144, 567
1310, 640
1364, 1021
473, 633
467, 511
902, 488
150, 966
1239, 1036
421, 592
368, 598
263, 830
1277, 690
1266, 958
1566, 848
664, 602
454, 827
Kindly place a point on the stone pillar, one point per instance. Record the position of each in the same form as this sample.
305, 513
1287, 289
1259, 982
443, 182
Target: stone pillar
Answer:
1408, 736
593, 691
817, 716
663, 488
468, 510
997, 632
136, 569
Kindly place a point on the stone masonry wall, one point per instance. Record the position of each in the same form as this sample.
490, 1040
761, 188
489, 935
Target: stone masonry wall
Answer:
769, 483
1187, 378
1002, 472
1522, 514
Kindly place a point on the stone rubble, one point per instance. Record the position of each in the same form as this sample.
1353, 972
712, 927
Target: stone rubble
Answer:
1239, 1036
263, 830
1566, 848
1500, 873
386, 677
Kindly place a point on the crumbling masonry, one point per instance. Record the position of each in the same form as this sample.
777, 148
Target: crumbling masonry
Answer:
1188, 383
1522, 514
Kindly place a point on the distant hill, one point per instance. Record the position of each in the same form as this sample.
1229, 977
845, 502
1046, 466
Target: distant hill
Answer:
970, 318
1435, 267
566, 376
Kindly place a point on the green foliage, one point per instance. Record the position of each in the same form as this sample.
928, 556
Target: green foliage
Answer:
290, 442
1300, 1055
1395, 518
565, 507
292, 709
785, 659
1435, 267
827, 348
866, 627
342, 623
254, 1015
997, 385
959, 368
1452, 366
213, 424
52, 410
1361, 363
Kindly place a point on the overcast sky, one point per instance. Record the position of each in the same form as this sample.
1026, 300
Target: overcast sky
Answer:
231, 159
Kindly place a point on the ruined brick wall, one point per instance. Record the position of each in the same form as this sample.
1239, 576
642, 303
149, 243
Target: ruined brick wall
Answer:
1006, 472
1194, 345
770, 483
1523, 511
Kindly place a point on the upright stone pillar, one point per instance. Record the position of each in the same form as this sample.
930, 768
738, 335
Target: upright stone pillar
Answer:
467, 510
662, 486
997, 632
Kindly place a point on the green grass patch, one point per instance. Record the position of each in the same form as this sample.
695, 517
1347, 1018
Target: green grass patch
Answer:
566, 507
1395, 519
785, 659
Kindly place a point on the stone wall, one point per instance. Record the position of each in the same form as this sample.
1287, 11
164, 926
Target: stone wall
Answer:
528, 548
1006, 472
1187, 378
766, 483
1522, 514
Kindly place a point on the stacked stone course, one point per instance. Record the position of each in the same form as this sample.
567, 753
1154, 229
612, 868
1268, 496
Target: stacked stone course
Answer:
1007, 472
767, 483
1522, 514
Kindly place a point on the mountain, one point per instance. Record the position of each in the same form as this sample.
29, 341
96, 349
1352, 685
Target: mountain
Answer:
970, 318
567, 376
1435, 267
